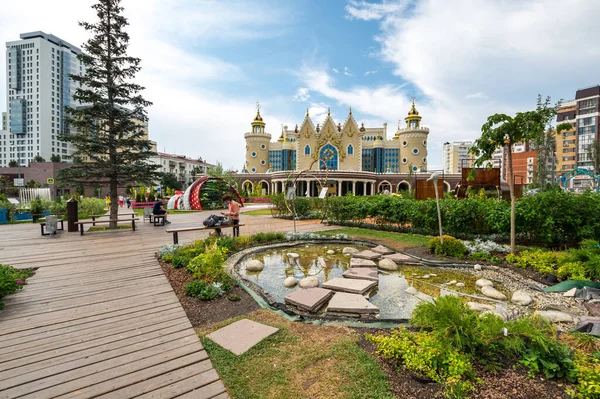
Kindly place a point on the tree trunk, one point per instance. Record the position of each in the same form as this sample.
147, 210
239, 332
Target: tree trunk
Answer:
511, 186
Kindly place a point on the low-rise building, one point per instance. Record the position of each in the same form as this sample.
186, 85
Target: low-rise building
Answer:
184, 168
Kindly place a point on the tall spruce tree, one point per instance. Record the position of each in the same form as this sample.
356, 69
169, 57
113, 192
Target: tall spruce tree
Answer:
111, 147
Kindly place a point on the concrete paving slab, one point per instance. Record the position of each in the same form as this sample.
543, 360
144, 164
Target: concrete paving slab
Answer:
402, 259
351, 303
380, 249
242, 335
362, 273
352, 286
367, 254
309, 299
358, 262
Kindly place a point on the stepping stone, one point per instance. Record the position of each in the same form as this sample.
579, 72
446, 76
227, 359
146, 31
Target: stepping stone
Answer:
491, 292
362, 273
357, 262
484, 282
350, 285
367, 255
349, 251
309, 299
351, 303
380, 249
401, 258
242, 335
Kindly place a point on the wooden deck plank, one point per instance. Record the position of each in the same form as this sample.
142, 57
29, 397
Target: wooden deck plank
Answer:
184, 386
206, 392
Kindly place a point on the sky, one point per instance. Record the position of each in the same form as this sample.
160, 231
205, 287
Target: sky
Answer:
206, 63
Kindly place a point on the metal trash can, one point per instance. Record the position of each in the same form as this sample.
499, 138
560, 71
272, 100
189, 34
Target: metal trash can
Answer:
51, 224
72, 216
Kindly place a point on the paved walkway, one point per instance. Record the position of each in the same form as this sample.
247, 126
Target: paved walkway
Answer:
99, 318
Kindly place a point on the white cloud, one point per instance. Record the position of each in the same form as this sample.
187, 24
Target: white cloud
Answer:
371, 11
336, 70
479, 95
370, 73
302, 94
347, 71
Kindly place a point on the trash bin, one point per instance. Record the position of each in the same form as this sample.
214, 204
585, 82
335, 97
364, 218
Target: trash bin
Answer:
72, 217
51, 224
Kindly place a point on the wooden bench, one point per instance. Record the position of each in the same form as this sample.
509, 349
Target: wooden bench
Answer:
101, 216
81, 224
62, 226
147, 207
159, 220
218, 228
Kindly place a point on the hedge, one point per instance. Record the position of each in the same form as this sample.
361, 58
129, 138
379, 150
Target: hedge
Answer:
551, 217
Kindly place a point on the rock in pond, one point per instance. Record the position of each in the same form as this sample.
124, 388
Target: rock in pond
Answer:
380, 249
254, 265
425, 276
293, 255
491, 292
521, 298
477, 267
388, 264
330, 252
452, 282
479, 307
484, 282
349, 251
555, 316
411, 291
309, 282
460, 284
290, 282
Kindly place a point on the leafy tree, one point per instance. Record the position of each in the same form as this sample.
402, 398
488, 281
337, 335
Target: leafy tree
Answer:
55, 158
38, 158
502, 130
33, 184
111, 146
227, 175
12, 163
170, 180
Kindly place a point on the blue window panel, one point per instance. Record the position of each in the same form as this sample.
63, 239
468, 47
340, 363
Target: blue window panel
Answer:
17, 116
350, 149
367, 160
307, 150
329, 155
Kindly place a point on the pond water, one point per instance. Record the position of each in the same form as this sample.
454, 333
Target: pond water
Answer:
390, 296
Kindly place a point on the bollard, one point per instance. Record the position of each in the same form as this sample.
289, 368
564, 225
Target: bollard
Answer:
72, 215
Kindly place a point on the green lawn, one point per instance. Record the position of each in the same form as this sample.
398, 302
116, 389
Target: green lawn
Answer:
300, 361
406, 239
258, 212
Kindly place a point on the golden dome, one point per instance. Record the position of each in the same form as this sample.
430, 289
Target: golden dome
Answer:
413, 110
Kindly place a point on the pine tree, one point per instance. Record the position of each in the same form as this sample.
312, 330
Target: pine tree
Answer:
111, 147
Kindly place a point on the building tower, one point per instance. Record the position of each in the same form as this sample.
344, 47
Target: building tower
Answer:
413, 143
38, 69
257, 146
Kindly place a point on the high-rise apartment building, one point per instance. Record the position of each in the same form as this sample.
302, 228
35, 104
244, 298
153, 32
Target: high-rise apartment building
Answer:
455, 156
39, 87
4, 122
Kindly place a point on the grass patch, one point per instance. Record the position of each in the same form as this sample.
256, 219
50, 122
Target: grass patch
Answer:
259, 212
299, 361
138, 211
405, 239
103, 228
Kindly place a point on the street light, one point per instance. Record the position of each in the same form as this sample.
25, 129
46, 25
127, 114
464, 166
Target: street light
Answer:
434, 178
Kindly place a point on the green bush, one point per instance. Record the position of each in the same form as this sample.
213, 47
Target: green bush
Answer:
449, 247
588, 377
545, 262
200, 289
208, 266
92, 206
11, 280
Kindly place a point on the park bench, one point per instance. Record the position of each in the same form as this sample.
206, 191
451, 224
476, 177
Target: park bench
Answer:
62, 226
81, 224
101, 216
217, 228
147, 207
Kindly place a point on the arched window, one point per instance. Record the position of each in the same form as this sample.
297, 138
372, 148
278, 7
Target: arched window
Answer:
350, 149
307, 150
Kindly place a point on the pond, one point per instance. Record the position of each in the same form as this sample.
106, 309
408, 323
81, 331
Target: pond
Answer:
326, 262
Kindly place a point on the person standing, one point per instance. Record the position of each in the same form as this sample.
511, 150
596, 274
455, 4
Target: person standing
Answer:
121, 200
233, 213
107, 201
128, 201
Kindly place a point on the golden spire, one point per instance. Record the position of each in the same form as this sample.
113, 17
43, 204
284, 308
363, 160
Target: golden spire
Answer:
307, 112
413, 110
350, 110
328, 111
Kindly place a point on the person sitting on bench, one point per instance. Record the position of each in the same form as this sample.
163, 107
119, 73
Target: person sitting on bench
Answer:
234, 213
159, 209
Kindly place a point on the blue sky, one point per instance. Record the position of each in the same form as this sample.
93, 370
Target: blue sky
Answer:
206, 62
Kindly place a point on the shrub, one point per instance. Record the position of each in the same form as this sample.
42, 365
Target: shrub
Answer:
588, 377
542, 261
11, 280
200, 289
450, 247
486, 247
208, 266
168, 249
92, 206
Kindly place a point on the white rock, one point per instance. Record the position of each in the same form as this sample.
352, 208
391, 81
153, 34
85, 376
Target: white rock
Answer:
492, 293
500, 313
483, 282
411, 291
388, 264
452, 282
426, 276
521, 298
349, 251
293, 255
571, 292
309, 282
477, 267
433, 275
555, 316
330, 252
460, 284
290, 282
479, 307
254, 265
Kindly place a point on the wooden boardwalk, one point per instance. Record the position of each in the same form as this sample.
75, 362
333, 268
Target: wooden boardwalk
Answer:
99, 318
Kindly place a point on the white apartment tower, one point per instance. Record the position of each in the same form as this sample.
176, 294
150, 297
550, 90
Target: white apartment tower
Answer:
456, 155
38, 88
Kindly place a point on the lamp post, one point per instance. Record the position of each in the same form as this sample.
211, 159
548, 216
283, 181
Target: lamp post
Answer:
434, 178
